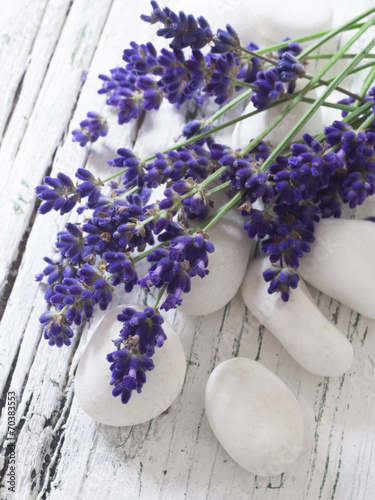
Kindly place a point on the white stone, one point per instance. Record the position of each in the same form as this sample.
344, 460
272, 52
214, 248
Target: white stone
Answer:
255, 417
250, 128
313, 341
227, 266
341, 263
292, 18
93, 375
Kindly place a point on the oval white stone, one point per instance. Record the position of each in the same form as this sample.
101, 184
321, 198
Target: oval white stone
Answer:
227, 266
255, 417
313, 341
93, 375
341, 263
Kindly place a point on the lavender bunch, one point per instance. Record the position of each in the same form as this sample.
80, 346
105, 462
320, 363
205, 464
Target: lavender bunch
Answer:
297, 182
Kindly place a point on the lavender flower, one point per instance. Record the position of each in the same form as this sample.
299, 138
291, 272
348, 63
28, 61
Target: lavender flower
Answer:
128, 372
281, 280
140, 334
58, 194
93, 127
70, 243
55, 272
270, 88
121, 269
191, 161
221, 83
185, 30
57, 329
141, 59
185, 258
135, 167
293, 48
298, 187
76, 297
226, 40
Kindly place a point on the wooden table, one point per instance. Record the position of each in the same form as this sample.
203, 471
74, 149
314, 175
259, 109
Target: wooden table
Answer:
51, 52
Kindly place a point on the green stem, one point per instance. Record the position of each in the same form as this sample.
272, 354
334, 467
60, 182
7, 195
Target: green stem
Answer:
343, 107
229, 106
345, 56
255, 53
209, 179
160, 295
355, 70
271, 126
306, 75
222, 186
367, 122
150, 219
328, 91
353, 115
192, 191
303, 39
350, 118
339, 89
369, 80
165, 244
330, 34
223, 210
114, 112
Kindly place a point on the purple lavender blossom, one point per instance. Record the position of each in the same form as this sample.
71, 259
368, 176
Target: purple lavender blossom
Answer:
93, 127
128, 372
186, 257
270, 88
58, 194
141, 332
281, 280
122, 270
185, 30
141, 59
135, 167
57, 330
226, 40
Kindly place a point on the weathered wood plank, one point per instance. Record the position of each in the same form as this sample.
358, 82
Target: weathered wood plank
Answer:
52, 112
19, 25
35, 71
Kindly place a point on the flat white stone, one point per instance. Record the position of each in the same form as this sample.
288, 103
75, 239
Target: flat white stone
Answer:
341, 263
255, 417
313, 341
227, 266
93, 375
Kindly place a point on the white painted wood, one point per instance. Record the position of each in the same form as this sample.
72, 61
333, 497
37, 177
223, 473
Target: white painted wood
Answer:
19, 25
35, 72
58, 95
61, 452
